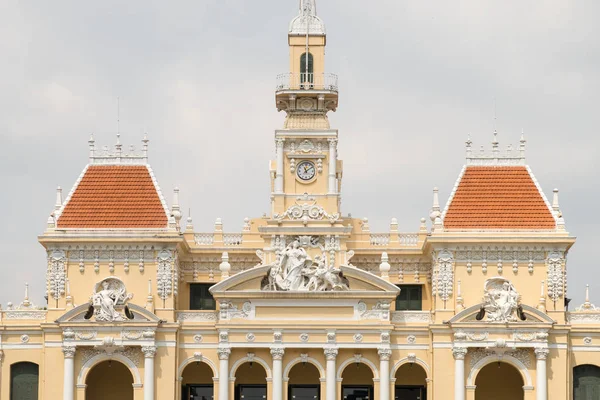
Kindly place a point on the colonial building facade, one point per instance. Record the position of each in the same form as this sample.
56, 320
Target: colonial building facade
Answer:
305, 302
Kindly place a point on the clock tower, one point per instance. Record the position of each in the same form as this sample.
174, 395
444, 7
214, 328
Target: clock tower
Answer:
306, 171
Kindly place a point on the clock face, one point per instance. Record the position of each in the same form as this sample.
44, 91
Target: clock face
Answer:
306, 170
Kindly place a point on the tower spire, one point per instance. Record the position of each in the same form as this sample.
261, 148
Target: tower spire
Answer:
308, 7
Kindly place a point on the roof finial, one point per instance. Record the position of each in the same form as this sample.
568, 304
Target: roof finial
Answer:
522, 145
26, 301
189, 227
469, 143
92, 144
555, 205
145, 147
308, 7
59, 200
435, 208
175, 210
495, 144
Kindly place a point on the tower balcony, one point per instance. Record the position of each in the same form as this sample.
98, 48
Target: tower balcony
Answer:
294, 82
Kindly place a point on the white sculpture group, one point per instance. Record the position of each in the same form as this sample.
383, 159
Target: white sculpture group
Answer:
109, 299
500, 300
296, 271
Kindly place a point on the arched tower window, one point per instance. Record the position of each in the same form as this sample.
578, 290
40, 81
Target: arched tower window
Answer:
24, 381
306, 68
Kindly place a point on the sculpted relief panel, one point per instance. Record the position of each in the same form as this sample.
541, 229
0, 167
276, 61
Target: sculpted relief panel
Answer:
295, 270
109, 301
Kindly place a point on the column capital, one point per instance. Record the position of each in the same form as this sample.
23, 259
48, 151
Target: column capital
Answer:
332, 142
279, 142
224, 353
541, 353
459, 353
384, 353
277, 353
330, 353
149, 351
68, 351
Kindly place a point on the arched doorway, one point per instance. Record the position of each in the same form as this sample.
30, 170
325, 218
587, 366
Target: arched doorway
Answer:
250, 382
24, 381
109, 380
586, 382
357, 382
411, 382
499, 381
197, 382
304, 382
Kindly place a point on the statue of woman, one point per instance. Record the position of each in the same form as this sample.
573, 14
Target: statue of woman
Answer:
293, 260
106, 299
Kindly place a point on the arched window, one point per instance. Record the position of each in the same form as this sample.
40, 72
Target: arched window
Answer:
306, 68
586, 382
24, 381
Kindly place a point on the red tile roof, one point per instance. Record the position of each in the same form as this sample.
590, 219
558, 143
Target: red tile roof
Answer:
498, 198
114, 196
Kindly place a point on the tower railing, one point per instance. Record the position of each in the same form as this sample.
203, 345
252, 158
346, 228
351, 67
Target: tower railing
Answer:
307, 81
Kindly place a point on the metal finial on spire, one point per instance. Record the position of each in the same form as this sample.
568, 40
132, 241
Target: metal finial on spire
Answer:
145, 147
469, 143
308, 7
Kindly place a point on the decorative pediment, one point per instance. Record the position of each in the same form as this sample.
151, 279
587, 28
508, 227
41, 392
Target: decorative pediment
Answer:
250, 283
470, 315
79, 313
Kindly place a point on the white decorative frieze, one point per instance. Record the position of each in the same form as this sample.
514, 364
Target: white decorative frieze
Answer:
197, 316
132, 353
411, 317
478, 354
228, 310
305, 213
381, 310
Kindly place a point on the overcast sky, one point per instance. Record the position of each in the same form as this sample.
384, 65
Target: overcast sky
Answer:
416, 77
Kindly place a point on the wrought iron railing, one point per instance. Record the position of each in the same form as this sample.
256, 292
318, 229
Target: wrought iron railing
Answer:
307, 81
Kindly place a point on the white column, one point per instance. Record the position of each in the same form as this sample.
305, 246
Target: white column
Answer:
332, 165
384, 372
330, 381
541, 383
69, 373
277, 354
279, 167
149, 353
224, 353
459, 354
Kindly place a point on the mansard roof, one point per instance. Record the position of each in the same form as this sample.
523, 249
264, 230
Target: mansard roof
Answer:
114, 196
498, 197
498, 192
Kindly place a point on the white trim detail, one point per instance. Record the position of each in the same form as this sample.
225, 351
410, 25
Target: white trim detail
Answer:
494, 358
75, 186
244, 360
405, 360
158, 191
298, 360
91, 363
362, 360
453, 193
192, 359
539, 188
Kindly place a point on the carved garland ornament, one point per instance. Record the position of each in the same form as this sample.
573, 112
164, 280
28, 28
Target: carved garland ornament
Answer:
555, 276
444, 275
306, 212
56, 275
164, 278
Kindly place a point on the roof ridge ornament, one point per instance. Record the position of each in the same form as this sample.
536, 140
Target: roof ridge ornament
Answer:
118, 157
496, 158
